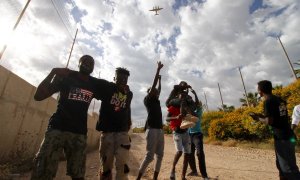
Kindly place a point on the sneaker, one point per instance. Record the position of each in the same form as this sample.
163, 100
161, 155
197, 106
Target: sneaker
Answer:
193, 173
206, 178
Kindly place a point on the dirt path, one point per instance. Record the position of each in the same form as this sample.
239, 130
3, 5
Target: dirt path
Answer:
223, 163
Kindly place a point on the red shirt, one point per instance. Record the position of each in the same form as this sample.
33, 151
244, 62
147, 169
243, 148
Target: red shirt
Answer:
174, 111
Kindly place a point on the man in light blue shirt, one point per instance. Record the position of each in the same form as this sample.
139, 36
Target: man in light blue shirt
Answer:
197, 143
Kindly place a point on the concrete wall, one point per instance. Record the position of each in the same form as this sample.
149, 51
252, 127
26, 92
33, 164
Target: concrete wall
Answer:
23, 121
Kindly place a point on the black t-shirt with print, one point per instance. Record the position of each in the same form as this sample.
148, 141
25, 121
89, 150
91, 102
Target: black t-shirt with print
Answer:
115, 112
75, 97
154, 119
275, 108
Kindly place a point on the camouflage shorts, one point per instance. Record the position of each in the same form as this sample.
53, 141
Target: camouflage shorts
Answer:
54, 144
114, 146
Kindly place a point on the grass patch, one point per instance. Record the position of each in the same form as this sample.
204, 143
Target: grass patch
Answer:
268, 144
230, 143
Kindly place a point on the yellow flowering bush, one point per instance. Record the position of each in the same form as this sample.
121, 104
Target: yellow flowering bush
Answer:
239, 125
208, 117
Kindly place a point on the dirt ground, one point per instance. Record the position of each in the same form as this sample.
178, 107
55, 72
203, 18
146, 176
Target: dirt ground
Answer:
222, 163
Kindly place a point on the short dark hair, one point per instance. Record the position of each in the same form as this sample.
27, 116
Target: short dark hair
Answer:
183, 83
84, 57
121, 70
265, 86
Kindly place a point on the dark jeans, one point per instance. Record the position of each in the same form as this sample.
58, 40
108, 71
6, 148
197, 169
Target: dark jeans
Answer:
286, 159
197, 145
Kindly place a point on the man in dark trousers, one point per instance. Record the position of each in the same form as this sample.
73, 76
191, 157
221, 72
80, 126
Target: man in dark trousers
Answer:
276, 115
197, 142
114, 123
67, 128
154, 132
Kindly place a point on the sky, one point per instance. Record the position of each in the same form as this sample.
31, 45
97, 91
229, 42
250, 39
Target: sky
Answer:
203, 42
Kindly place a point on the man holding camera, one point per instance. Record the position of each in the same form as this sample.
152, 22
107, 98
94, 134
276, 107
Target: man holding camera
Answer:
179, 105
276, 115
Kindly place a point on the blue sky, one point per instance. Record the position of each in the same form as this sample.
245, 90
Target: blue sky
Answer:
201, 42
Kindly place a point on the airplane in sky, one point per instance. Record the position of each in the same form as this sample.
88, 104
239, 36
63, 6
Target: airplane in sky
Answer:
156, 9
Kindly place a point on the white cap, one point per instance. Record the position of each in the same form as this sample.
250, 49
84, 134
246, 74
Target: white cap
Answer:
296, 115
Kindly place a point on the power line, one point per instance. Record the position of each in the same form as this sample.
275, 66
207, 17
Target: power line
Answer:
65, 14
65, 25
69, 33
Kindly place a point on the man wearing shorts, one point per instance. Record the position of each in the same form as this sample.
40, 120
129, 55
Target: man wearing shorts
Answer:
114, 123
179, 104
67, 127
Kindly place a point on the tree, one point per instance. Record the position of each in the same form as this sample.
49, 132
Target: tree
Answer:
252, 98
226, 108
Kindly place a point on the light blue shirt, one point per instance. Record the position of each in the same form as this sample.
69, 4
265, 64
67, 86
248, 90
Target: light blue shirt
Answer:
197, 127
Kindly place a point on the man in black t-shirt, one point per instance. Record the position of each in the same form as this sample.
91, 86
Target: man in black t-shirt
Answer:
114, 123
67, 127
154, 132
276, 115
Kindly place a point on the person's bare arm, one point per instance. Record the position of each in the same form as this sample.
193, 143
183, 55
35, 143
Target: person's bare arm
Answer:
130, 95
156, 77
159, 84
49, 85
196, 97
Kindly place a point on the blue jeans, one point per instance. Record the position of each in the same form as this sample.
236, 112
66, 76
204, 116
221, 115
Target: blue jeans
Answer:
286, 159
197, 145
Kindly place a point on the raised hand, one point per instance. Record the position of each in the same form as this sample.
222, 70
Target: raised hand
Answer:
193, 91
159, 65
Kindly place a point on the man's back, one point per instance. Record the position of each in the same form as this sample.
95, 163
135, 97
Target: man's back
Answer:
275, 108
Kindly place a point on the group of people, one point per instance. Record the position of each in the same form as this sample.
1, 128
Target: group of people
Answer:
67, 128
184, 115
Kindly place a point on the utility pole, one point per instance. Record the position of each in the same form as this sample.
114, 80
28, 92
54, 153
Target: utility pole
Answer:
246, 95
206, 102
221, 97
72, 48
15, 26
288, 59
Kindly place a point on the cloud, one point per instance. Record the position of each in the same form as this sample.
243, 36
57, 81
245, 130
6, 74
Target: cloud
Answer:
202, 42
